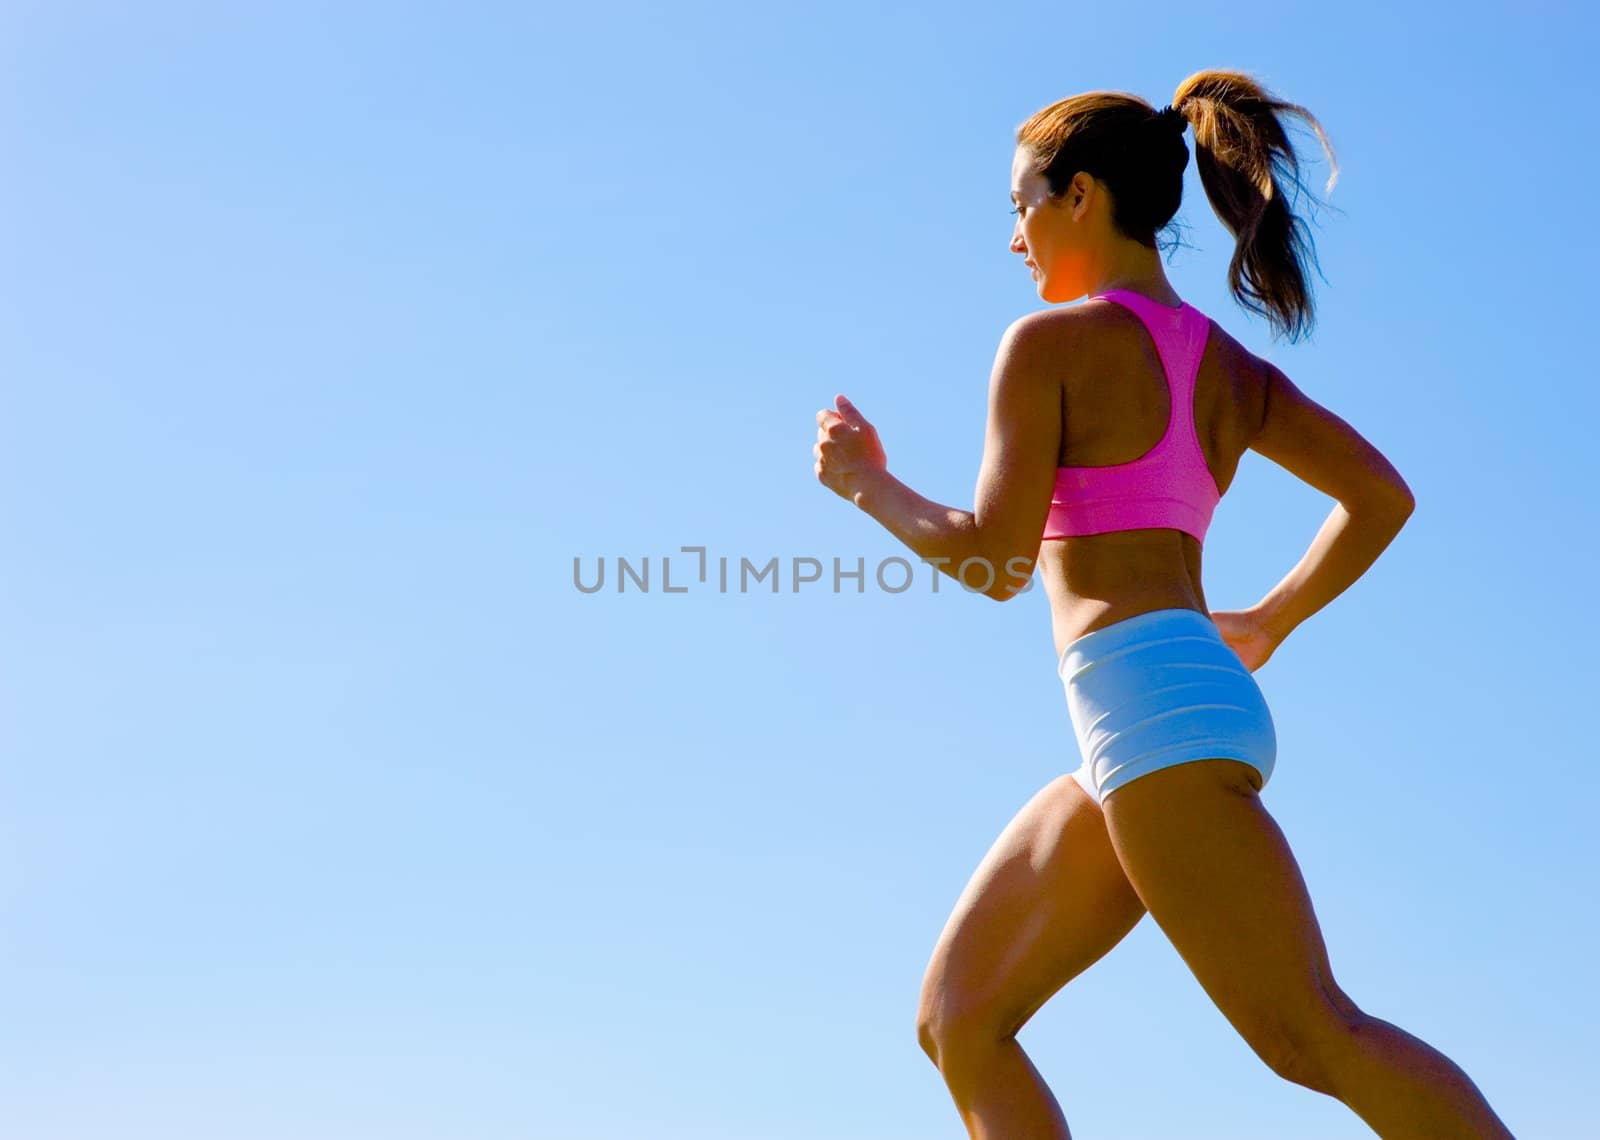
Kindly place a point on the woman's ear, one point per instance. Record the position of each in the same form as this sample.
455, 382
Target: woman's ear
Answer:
1079, 192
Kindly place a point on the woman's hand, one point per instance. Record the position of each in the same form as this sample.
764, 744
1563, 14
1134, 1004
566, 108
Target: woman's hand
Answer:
1247, 635
847, 450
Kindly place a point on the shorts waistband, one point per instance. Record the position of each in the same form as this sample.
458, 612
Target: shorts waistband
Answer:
1112, 637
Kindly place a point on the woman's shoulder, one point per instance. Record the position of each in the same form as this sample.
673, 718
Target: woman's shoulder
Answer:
1235, 356
1062, 321
1080, 325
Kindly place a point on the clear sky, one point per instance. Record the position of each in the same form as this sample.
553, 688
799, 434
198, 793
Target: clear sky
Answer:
330, 336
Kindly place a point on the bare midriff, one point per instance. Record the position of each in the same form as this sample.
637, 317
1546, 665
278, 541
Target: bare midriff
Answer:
1095, 580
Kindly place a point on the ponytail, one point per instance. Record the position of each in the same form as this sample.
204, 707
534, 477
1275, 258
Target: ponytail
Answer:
1245, 160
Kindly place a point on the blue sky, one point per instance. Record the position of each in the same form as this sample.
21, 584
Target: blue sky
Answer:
331, 336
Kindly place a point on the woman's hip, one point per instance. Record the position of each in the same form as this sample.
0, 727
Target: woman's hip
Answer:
1162, 688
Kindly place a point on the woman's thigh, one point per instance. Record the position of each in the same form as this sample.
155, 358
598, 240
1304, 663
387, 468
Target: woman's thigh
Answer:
1046, 902
1216, 873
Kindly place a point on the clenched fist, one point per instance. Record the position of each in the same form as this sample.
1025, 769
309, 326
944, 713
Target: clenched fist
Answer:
848, 451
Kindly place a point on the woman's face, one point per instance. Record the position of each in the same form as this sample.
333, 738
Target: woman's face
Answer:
1051, 232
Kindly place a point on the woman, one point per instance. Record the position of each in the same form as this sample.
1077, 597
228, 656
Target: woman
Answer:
1114, 427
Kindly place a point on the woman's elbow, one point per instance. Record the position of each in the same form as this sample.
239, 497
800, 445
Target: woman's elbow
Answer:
1013, 577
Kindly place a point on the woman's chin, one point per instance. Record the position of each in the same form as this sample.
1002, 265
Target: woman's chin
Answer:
1055, 295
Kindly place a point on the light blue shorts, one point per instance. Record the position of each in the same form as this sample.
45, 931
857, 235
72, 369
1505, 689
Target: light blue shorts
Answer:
1158, 689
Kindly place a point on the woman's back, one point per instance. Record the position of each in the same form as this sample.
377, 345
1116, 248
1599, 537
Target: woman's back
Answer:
1115, 405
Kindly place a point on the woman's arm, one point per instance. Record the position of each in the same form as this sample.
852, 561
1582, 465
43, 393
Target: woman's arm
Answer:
998, 540
1373, 505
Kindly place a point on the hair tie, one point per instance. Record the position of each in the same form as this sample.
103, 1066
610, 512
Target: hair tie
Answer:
1173, 117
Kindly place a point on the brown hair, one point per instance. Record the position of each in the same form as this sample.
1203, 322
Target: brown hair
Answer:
1245, 160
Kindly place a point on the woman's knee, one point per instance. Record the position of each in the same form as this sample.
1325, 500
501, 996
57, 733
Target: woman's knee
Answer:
947, 1036
1308, 1049
927, 1036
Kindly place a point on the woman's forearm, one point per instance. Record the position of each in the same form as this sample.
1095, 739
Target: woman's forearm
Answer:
945, 537
1348, 543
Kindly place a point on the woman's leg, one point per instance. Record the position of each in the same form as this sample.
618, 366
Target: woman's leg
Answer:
1216, 873
1046, 902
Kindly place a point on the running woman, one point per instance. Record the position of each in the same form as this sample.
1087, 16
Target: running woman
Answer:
1114, 427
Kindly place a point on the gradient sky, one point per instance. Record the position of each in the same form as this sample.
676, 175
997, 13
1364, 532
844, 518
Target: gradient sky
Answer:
330, 336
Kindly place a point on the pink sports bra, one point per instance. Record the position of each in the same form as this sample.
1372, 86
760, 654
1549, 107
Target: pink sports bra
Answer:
1167, 486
